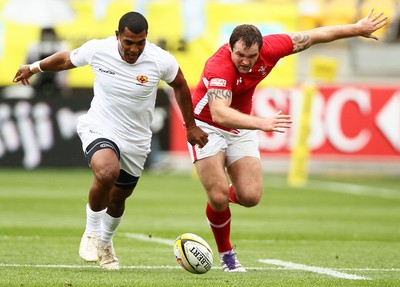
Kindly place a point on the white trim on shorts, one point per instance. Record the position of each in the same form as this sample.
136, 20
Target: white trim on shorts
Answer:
236, 144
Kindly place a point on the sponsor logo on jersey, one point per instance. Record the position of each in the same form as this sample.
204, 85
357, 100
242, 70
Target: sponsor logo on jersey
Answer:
218, 82
142, 79
106, 71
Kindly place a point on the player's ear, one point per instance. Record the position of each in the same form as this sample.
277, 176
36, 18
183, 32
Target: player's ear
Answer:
117, 34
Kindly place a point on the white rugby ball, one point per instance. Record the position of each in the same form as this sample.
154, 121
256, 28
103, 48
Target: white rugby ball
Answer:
193, 253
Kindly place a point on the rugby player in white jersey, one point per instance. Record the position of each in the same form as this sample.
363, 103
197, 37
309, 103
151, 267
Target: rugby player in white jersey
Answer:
115, 132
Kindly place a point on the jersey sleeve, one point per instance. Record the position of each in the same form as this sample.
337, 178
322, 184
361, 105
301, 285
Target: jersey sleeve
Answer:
219, 71
277, 46
83, 55
221, 80
169, 67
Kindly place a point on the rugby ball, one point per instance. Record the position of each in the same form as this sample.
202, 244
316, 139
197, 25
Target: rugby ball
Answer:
193, 253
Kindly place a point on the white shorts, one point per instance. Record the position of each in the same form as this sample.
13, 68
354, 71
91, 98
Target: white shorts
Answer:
235, 144
132, 158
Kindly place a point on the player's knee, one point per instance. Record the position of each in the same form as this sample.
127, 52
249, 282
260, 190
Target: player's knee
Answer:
219, 198
107, 175
249, 199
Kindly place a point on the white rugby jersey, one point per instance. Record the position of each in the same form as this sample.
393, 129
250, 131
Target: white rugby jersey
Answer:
125, 94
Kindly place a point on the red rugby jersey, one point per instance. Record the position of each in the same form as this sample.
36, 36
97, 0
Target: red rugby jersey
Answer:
220, 73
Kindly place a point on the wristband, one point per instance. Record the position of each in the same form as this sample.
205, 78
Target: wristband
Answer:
35, 67
190, 127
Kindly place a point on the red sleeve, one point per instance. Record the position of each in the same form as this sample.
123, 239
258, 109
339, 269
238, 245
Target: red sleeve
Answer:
220, 71
277, 46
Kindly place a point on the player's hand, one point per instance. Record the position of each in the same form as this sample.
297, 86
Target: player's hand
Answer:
196, 136
23, 74
370, 24
278, 123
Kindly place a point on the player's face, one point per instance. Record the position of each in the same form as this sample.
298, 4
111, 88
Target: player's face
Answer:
244, 58
131, 45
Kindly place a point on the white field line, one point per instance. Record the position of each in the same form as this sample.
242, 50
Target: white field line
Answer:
89, 266
358, 189
142, 237
320, 270
148, 238
93, 266
169, 242
341, 187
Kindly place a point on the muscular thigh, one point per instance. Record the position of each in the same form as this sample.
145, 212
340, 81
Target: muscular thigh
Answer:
247, 179
211, 171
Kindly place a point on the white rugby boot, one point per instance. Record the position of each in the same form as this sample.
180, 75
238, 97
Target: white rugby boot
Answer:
88, 247
107, 257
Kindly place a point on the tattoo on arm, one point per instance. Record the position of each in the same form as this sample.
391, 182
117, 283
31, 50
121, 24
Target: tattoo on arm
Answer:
215, 94
301, 42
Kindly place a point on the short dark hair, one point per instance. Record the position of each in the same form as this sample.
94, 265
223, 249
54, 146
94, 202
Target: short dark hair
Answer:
249, 34
134, 21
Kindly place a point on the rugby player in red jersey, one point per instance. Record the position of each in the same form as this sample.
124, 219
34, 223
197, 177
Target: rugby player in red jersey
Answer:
229, 166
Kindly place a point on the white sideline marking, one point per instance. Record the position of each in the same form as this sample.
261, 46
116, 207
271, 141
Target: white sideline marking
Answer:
320, 270
341, 187
90, 266
93, 266
357, 189
143, 237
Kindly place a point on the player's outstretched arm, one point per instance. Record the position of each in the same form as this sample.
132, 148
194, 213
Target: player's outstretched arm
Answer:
57, 62
363, 28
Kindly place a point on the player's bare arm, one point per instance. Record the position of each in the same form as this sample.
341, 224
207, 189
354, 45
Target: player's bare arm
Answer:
220, 100
301, 41
363, 28
57, 62
194, 134
218, 94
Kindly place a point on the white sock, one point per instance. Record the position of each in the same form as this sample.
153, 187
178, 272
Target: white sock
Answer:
109, 226
93, 220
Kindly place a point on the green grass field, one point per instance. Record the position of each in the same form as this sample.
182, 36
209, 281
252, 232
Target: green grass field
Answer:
332, 232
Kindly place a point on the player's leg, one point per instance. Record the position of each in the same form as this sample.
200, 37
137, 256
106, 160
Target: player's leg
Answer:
103, 157
211, 171
123, 188
244, 168
106, 170
210, 166
131, 162
246, 190
247, 181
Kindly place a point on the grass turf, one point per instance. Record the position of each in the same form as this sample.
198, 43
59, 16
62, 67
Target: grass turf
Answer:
347, 225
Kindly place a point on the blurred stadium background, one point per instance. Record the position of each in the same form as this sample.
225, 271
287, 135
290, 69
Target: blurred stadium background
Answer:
353, 84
